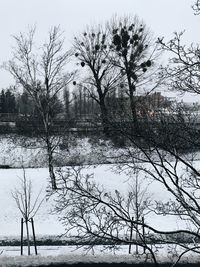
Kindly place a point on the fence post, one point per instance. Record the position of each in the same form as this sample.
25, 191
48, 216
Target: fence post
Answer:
131, 234
34, 240
22, 236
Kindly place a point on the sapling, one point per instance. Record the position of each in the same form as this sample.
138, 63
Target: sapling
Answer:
27, 204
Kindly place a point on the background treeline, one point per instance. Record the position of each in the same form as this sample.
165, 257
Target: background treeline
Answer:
80, 105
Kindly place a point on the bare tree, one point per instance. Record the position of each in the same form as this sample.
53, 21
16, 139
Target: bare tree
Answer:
92, 51
96, 215
41, 73
135, 55
183, 70
176, 171
23, 196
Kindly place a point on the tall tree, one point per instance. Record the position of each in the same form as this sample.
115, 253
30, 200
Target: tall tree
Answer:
10, 102
3, 102
25, 104
135, 54
67, 103
7, 102
41, 73
92, 52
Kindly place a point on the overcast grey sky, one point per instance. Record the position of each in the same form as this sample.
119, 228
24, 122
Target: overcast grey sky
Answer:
162, 16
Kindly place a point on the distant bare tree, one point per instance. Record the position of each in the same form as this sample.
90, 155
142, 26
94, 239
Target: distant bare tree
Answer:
135, 55
41, 73
93, 52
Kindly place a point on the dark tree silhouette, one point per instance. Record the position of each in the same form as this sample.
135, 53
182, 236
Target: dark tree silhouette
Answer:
92, 51
135, 55
7, 102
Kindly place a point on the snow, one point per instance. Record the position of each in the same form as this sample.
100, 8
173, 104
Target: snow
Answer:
47, 223
17, 151
70, 255
66, 258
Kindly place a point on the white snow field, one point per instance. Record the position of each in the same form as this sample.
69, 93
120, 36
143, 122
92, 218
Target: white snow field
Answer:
69, 255
48, 224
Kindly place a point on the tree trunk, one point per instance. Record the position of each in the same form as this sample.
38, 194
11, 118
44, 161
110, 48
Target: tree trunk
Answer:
51, 169
28, 237
104, 117
22, 233
52, 176
131, 97
137, 212
133, 109
50, 163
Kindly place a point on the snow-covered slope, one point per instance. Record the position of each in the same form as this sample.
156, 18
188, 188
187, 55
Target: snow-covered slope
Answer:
17, 151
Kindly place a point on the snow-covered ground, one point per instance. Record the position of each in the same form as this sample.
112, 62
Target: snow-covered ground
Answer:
67, 258
17, 151
69, 255
47, 223
9, 214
